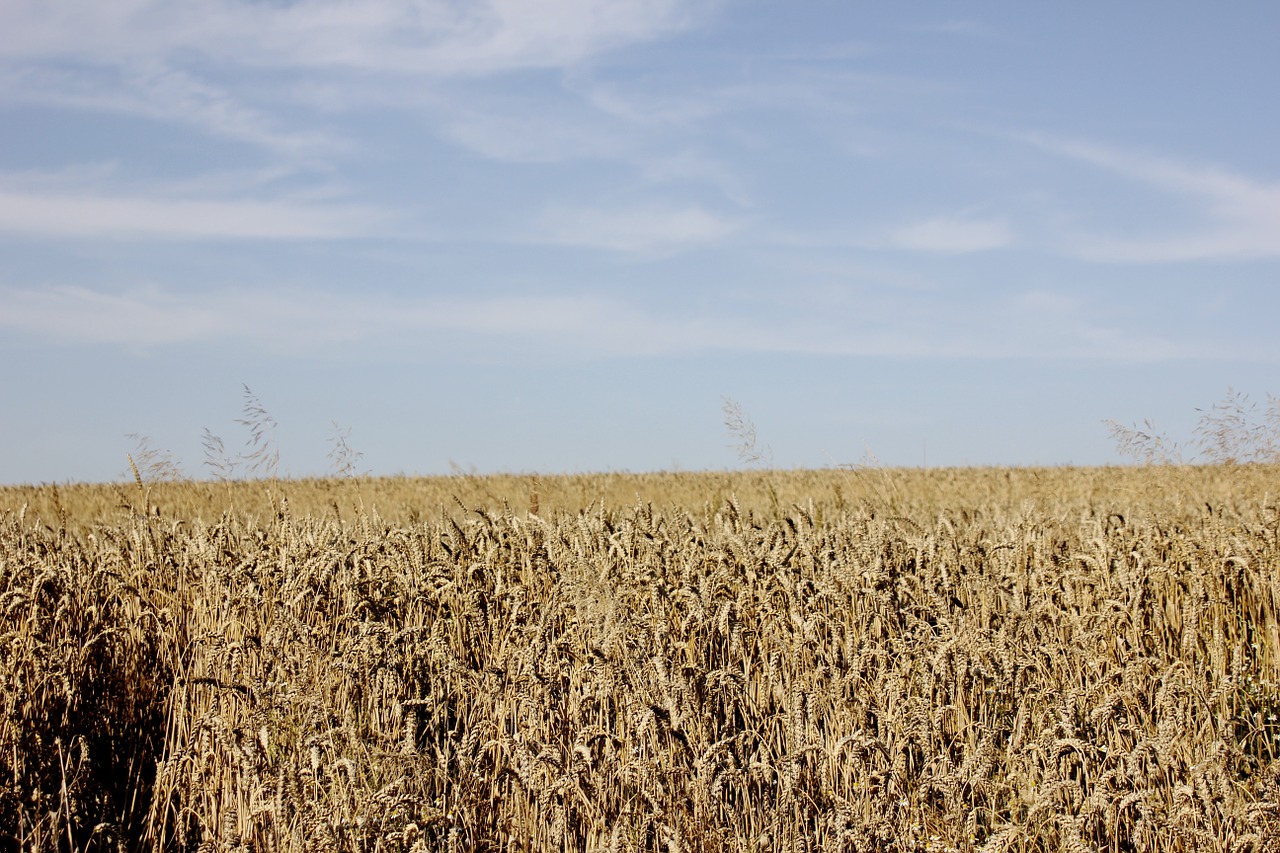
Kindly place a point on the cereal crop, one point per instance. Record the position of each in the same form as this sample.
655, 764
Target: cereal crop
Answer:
1052, 660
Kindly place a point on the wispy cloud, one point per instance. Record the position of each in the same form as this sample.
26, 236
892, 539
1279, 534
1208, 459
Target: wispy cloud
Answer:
673, 102
937, 235
1242, 215
152, 316
161, 93
1033, 325
640, 230
527, 137
960, 27
146, 316
655, 106
1059, 325
695, 167
434, 37
265, 73
94, 215
951, 235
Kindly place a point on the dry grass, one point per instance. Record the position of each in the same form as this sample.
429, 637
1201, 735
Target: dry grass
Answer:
872, 660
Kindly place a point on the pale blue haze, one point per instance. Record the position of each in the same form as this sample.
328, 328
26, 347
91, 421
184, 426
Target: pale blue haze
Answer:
553, 236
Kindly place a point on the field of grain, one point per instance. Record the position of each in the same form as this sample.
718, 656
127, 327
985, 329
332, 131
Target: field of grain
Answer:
863, 660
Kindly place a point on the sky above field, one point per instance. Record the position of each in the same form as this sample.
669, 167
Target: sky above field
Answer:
557, 235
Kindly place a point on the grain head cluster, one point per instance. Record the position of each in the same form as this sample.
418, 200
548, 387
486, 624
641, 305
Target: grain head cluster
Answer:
928, 661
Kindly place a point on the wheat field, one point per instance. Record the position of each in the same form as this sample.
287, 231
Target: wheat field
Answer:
861, 660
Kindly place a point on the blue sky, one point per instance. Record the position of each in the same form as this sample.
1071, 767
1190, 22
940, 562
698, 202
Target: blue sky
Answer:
554, 236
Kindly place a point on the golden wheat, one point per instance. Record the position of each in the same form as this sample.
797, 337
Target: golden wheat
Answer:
996, 660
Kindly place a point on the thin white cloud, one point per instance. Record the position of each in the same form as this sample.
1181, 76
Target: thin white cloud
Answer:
1051, 322
434, 37
510, 136
654, 107
103, 215
960, 27
1042, 303
166, 93
189, 63
936, 235
641, 230
1036, 325
951, 235
696, 167
151, 316
1242, 214
106, 178
146, 316
672, 102
156, 92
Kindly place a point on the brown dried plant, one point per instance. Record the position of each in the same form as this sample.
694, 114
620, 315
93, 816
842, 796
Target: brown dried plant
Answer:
1230, 432
1021, 661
